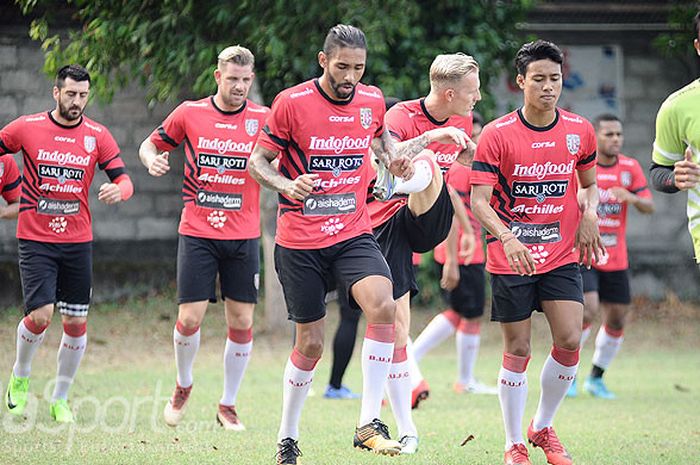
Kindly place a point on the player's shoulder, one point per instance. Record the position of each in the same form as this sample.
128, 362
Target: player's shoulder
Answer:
505, 123
574, 120
369, 93
34, 119
257, 109
301, 92
686, 95
627, 161
93, 126
195, 105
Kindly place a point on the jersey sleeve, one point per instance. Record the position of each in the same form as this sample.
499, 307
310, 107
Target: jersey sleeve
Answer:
487, 160
587, 154
11, 137
11, 179
109, 160
398, 123
172, 132
639, 184
381, 113
668, 144
277, 131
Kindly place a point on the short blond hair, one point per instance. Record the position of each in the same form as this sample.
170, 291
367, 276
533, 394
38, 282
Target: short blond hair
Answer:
449, 68
237, 55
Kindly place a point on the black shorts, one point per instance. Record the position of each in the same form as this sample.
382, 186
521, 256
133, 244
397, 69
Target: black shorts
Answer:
515, 297
307, 274
611, 286
56, 273
199, 260
468, 298
404, 233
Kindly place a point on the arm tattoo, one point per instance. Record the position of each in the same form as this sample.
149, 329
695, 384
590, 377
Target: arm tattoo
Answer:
264, 173
413, 147
384, 148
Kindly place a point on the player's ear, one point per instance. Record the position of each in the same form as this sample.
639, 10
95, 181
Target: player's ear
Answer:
322, 59
520, 80
217, 76
56, 93
696, 44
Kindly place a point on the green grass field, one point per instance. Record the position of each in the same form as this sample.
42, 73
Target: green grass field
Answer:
128, 373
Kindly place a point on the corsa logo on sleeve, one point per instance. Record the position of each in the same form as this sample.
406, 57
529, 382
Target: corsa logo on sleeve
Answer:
533, 233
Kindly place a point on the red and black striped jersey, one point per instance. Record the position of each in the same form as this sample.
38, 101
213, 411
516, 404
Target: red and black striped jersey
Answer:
10, 179
533, 171
221, 200
405, 121
59, 165
316, 134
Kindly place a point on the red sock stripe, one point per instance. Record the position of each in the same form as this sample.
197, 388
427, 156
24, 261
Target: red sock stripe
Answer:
381, 332
184, 330
75, 329
586, 325
469, 326
613, 332
303, 362
33, 327
240, 336
400, 355
515, 363
566, 357
452, 316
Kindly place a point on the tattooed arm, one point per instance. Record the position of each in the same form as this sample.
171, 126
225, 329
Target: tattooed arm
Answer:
385, 150
446, 135
262, 170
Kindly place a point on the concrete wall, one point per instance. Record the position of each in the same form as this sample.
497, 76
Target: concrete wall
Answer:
141, 234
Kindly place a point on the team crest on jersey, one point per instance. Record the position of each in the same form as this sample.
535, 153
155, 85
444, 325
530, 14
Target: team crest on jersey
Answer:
251, 127
626, 178
2, 168
89, 142
366, 117
573, 143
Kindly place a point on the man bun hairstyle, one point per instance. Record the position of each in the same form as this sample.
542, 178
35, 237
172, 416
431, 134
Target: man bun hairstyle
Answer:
344, 36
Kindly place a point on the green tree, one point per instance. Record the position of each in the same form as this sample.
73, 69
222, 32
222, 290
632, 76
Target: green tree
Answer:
169, 46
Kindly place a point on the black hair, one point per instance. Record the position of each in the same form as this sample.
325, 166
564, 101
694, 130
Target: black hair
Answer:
344, 35
605, 117
75, 72
535, 51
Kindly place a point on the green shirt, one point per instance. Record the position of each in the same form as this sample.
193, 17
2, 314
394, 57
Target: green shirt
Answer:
678, 127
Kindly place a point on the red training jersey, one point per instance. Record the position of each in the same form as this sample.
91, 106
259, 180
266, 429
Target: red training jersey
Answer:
221, 200
316, 134
10, 178
533, 174
405, 121
460, 179
612, 215
59, 164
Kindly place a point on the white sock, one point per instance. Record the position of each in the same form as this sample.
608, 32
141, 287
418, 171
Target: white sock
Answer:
239, 344
606, 347
398, 390
186, 342
422, 176
377, 350
413, 368
70, 353
28, 341
298, 375
440, 328
512, 395
558, 373
585, 333
467, 351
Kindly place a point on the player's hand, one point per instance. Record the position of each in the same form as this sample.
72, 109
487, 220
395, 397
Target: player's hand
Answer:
160, 164
518, 256
588, 240
450, 275
466, 156
467, 245
622, 195
686, 172
402, 167
301, 187
109, 193
448, 135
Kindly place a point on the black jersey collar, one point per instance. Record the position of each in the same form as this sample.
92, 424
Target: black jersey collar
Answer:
537, 128
53, 120
223, 112
332, 100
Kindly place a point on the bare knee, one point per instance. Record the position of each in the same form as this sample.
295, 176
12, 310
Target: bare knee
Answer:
191, 315
41, 316
615, 317
569, 341
310, 346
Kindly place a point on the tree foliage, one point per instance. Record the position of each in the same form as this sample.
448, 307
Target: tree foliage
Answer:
170, 46
678, 43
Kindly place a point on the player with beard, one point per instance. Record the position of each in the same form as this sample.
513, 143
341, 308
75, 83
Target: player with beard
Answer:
322, 130
60, 149
220, 225
621, 183
529, 167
